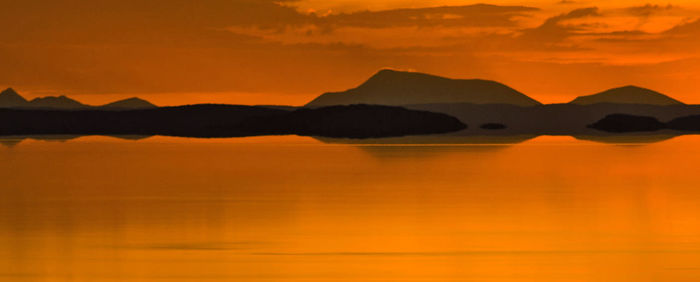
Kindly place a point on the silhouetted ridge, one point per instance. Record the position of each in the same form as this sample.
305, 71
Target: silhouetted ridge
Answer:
627, 95
131, 103
390, 87
60, 102
9, 98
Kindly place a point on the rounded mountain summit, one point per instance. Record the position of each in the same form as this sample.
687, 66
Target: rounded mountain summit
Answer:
397, 88
627, 95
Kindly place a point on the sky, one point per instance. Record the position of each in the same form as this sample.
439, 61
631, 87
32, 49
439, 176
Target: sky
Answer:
289, 51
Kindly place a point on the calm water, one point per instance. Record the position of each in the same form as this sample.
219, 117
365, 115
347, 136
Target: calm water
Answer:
299, 209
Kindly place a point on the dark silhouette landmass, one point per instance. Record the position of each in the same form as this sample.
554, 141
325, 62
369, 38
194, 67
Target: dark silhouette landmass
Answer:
493, 126
131, 103
56, 102
628, 123
390, 87
688, 123
390, 103
552, 119
627, 95
9, 98
357, 121
631, 123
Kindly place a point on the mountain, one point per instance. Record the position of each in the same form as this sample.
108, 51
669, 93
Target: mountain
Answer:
627, 95
131, 103
9, 98
53, 102
390, 87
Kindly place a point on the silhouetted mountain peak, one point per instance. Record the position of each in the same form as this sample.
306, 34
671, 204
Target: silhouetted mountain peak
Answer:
130, 103
629, 94
10, 98
387, 76
9, 91
61, 102
392, 87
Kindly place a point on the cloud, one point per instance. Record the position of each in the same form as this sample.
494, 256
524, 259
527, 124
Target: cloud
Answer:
556, 29
479, 15
691, 28
83, 21
648, 10
566, 2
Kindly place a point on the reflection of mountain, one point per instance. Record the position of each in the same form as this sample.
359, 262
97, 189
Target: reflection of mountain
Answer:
627, 95
10, 99
430, 146
437, 139
389, 87
396, 152
12, 141
644, 138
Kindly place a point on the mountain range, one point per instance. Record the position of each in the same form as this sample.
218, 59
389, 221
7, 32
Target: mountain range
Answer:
373, 109
401, 88
9, 98
487, 105
396, 88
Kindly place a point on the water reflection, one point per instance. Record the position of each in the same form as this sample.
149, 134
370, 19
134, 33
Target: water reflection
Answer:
12, 141
630, 138
298, 209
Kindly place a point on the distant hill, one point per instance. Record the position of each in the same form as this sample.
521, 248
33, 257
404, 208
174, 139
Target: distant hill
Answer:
627, 95
390, 87
9, 98
131, 103
52, 102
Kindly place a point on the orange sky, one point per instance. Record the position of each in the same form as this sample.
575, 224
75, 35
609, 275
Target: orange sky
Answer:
288, 52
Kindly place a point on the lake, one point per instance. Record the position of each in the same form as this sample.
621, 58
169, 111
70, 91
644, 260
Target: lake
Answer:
303, 209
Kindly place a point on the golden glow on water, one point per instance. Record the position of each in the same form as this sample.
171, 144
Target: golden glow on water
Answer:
297, 209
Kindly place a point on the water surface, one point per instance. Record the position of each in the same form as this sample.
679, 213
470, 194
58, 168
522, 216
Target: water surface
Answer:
302, 209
